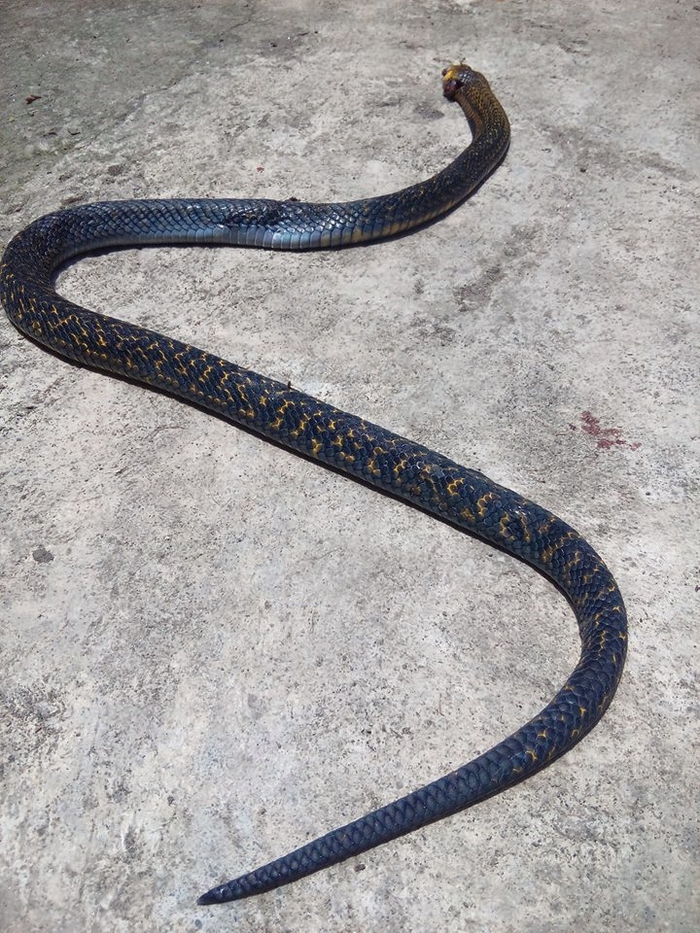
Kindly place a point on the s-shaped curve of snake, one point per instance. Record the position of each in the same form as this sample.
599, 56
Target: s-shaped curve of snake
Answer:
465, 498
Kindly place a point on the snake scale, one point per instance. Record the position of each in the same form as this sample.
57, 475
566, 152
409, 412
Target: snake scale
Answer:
465, 498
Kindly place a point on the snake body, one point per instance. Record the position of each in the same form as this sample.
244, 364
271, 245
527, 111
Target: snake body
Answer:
464, 497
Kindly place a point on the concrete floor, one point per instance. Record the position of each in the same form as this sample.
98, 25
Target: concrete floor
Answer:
213, 651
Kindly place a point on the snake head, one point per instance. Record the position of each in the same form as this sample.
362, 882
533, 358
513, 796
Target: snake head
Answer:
456, 77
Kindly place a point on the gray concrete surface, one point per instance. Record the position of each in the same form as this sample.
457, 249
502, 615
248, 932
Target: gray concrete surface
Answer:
212, 651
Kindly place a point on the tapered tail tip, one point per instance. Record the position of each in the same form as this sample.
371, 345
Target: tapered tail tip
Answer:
217, 895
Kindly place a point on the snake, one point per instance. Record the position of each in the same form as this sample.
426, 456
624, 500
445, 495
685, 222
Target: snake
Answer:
464, 498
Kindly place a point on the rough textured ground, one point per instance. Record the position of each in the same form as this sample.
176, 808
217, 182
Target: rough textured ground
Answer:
212, 651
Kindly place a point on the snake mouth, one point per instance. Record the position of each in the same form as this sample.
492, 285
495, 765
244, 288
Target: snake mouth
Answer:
450, 88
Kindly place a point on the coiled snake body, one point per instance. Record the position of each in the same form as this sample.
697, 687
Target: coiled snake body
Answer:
464, 497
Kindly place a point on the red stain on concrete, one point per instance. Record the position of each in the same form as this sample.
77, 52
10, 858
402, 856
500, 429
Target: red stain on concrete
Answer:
605, 437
